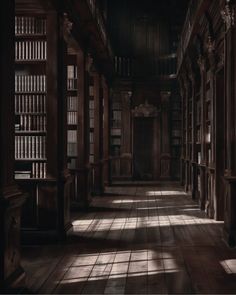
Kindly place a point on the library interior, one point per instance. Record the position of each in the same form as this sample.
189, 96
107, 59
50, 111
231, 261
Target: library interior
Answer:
118, 147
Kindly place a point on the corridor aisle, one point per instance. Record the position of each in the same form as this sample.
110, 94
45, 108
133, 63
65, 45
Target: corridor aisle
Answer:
146, 240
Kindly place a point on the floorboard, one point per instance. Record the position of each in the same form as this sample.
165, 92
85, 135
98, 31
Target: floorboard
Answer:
136, 240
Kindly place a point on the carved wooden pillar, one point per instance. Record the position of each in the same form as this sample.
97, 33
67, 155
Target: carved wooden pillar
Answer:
165, 148
230, 82
126, 167
83, 198
11, 199
106, 133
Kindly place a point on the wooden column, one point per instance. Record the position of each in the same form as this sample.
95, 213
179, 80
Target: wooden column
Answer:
11, 199
97, 186
106, 133
230, 163
83, 197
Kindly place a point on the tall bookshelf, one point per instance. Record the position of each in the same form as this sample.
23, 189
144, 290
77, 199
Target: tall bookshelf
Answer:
30, 97
91, 119
72, 112
176, 135
40, 125
116, 116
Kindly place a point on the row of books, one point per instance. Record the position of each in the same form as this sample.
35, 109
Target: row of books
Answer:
72, 149
209, 156
30, 50
30, 25
91, 137
38, 171
30, 123
199, 157
71, 84
115, 141
116, 115
91, 104
72, 103
30, 83
91, 90
30, 103
30, 147
199, 183
72, 118
91, 158
116, 124
91, 123
123, 66
72, 71
91, 148
72, 163
115, 132
91, 113
72, 135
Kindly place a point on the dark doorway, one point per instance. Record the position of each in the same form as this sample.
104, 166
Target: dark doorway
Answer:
143, 148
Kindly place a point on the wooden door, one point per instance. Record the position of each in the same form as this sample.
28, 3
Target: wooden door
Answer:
143, 148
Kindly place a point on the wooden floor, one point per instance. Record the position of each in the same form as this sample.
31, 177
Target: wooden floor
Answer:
146, 240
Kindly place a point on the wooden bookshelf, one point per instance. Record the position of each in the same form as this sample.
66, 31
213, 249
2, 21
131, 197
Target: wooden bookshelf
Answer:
91, 119
176, 134
40, 122
72, 112
116, 133
30, 97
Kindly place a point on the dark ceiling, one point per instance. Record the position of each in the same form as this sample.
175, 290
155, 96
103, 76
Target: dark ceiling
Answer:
126, 17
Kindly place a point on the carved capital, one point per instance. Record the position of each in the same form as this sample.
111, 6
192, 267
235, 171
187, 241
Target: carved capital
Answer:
145, 110
228, 15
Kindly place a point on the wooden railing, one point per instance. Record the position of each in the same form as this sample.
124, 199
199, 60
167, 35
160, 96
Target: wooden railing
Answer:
121, 167
167, 66
123, 66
